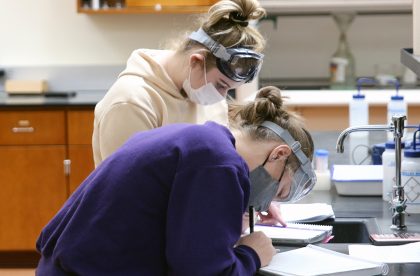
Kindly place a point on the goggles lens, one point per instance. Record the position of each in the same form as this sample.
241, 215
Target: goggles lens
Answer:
242, 69
238, 64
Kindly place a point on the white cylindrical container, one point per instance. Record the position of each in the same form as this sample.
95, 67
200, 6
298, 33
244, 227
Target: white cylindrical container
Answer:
396, 106
96, 4
359, 141
388, 167
410, 176
322, 172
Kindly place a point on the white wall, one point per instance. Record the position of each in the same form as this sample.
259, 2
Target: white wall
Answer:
51, 32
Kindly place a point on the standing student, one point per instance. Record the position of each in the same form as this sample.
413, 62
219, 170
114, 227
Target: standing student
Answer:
185, 85
170, 201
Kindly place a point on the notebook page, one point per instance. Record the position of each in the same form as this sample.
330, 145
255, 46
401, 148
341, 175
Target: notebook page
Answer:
311, 212
296, 233
314, 260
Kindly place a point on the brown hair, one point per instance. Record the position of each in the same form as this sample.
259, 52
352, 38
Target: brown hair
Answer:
227, 23
268, 106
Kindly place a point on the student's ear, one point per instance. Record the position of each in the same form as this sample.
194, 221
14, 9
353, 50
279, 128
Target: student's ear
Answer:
196, 58
281, 152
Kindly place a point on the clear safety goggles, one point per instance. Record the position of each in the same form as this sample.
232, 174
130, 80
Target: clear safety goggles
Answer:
238, 64
304, 178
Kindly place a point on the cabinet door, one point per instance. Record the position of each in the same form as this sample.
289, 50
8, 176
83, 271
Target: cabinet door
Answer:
80, 128
81, 164
33, 188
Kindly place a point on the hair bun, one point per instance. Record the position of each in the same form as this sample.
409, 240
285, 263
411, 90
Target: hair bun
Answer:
271, 94
238, 18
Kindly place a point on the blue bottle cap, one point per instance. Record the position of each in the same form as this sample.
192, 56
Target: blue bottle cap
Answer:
412, 153
391, 145
321, 152
358, 96
397, 98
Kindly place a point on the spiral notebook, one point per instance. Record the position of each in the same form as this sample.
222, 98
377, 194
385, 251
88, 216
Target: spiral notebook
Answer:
296, 233
314, 260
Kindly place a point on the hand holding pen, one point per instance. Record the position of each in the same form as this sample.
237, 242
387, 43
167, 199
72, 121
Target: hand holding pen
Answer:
258, 241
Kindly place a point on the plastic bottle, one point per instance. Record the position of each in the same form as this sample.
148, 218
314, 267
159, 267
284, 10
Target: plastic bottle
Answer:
359, 115
321, 170
388, 168
410, 176
396, 106
96, 4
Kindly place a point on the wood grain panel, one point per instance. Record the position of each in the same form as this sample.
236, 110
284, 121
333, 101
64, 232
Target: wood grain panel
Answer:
82, 164
32, 190
42, 127
80, 127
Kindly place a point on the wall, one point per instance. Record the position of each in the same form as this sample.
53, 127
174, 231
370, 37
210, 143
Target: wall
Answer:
51, 33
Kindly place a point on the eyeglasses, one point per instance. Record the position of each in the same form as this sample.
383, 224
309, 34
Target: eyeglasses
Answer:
238, 64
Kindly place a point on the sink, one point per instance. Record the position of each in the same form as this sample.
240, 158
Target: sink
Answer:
353, 230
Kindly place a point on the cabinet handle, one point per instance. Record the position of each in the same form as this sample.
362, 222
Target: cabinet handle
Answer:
67, 166
23, 129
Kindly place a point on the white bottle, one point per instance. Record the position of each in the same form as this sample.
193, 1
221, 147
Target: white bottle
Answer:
410, 177
322, 172
95, 4
388, 168
359, 141
396, 106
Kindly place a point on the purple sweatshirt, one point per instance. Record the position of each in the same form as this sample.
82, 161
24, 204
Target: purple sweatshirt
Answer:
168, 202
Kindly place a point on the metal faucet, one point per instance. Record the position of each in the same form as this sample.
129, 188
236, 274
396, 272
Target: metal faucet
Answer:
397, 127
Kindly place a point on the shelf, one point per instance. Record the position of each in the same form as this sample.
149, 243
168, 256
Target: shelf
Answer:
132, 8
410, 60
124, 10
324, 7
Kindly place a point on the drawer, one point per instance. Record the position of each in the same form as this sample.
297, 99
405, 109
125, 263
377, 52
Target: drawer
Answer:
80, 127
44, 127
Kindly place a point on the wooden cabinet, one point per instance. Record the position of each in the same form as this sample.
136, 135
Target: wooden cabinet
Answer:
80, 127
146, 6
34, 146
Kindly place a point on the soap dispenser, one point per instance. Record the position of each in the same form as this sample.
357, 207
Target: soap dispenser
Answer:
396, 106
359, 115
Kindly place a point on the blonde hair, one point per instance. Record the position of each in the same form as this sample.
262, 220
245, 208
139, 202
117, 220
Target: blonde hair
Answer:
268, 106
227, 23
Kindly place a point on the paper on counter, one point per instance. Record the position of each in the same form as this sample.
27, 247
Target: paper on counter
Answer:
406, 253
306, 213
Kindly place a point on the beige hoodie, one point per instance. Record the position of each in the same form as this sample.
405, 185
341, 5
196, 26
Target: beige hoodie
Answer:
142, 98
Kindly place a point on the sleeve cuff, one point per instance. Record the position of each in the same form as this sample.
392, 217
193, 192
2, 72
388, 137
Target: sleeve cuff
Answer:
248, 251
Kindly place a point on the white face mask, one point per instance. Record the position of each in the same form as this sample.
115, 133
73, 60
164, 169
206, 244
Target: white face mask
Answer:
204, 95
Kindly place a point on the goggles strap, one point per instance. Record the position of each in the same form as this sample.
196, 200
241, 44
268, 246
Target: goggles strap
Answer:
216, 48
285, 135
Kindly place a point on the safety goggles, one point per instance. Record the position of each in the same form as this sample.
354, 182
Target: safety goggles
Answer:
238, 64
304, 177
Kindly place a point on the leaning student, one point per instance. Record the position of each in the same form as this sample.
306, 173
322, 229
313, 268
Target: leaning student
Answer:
187, 84
170, 201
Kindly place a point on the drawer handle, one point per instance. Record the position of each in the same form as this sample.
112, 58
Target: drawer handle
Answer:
23, 129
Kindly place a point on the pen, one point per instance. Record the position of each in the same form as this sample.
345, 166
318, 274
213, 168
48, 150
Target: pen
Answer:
251, 219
